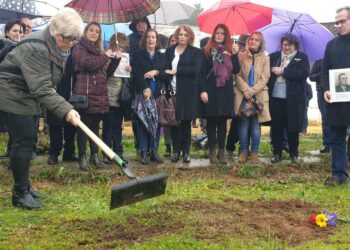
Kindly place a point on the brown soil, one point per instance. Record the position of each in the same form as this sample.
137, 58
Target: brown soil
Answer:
286, 220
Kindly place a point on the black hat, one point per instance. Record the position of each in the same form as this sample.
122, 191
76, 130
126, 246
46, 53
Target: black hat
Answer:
132, 25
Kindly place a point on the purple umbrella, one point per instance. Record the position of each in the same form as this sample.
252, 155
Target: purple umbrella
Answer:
313, 36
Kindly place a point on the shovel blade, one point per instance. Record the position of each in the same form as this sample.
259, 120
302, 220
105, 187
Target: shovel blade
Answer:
138, 190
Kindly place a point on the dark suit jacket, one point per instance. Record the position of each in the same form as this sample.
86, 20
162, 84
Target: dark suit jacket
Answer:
295, 74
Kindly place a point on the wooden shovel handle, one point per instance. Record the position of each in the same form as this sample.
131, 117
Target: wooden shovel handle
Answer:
109, 152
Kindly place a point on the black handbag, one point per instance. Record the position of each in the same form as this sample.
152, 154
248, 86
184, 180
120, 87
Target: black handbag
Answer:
125, 93
250, 107
80, 101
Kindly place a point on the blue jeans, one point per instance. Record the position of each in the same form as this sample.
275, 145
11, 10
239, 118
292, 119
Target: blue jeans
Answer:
249, 124
339, 153
325, 128
145, 140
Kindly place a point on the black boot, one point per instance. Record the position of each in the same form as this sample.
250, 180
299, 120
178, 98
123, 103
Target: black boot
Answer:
52, 159
21, 197
83, 164
96, 161
144, 158
155, 157
35, 193
69, 157
167, 150
176, 157
186, 158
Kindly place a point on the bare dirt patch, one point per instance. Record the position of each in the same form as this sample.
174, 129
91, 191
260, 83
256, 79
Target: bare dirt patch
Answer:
286, 220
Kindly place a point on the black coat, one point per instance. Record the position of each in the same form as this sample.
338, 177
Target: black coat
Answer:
337, 56
315, 74
295, 74
220, 98
187, 81
64, 89
141, 64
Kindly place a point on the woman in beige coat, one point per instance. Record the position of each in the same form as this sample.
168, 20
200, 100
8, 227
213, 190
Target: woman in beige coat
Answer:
251, 82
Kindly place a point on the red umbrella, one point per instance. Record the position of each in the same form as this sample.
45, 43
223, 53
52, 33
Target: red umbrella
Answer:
241, 17
113, 11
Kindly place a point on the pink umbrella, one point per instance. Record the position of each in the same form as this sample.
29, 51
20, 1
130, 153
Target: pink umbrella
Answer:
241, 17
113, 11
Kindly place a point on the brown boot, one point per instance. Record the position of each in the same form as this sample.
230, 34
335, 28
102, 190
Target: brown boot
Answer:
255, 158
212, 156
222, 156
243, 157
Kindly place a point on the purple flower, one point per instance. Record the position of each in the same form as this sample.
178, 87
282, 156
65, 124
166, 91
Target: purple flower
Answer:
332, 217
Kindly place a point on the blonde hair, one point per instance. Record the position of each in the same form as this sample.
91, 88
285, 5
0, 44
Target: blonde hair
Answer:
66, 22
99, 40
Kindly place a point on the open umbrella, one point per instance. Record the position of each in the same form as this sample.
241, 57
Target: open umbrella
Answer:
16, 9
313, 36
171, 11
113, 11
241, 17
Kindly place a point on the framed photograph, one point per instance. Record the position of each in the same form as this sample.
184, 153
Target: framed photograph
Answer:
339, 85
121, 71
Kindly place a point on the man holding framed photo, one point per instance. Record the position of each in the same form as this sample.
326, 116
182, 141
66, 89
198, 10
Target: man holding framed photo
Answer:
337, 56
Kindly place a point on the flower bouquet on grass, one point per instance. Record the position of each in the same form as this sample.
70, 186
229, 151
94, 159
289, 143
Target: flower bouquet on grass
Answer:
325, 219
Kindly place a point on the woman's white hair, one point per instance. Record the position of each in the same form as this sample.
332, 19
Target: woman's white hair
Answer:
66, 22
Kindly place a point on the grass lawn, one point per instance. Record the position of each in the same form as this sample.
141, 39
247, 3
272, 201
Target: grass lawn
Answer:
207, 207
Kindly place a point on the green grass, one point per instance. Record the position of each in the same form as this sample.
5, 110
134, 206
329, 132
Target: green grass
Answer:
204, 208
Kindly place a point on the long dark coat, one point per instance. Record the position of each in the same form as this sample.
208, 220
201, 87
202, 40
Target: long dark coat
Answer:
337, 56
141, 63
220, 98
295, 74
187, 81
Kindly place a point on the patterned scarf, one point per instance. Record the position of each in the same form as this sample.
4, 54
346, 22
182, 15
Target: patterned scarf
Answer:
285, 60
222, 65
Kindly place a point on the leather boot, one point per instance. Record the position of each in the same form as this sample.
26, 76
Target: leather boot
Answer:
144, 158
167, 150
255, 158
96, 161
83, 164
35, 193
243, 157
176, 157
222, 156
21, 197
121, 157
155, 157
212, 156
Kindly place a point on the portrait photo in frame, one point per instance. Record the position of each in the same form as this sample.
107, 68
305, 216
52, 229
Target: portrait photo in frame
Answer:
339, 85
121, 70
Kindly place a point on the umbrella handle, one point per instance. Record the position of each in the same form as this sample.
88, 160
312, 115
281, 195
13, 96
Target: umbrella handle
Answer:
109, 152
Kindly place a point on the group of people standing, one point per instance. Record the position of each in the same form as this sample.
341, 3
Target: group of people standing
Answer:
211, 83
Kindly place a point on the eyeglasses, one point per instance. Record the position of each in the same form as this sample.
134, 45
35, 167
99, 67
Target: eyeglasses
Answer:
29, 27
70, 39
340, 22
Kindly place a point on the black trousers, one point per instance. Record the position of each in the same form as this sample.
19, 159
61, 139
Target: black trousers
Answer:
112, 129
92, 121
181, 137
23, 131
279, 122
57, 134
216, 131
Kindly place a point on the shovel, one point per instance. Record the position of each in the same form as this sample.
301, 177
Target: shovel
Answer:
140, 188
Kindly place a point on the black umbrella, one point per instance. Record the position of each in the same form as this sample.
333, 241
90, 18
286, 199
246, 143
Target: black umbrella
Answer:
16, 9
